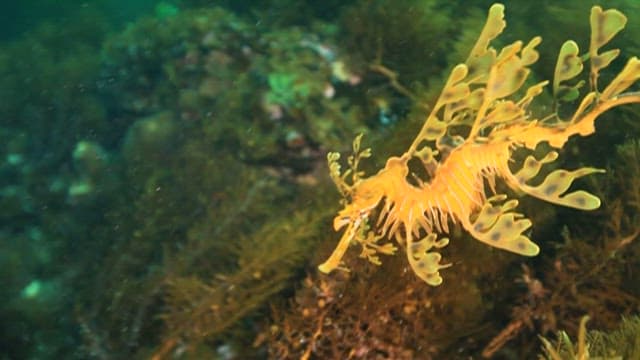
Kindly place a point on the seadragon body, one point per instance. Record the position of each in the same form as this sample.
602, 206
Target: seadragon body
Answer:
479, 120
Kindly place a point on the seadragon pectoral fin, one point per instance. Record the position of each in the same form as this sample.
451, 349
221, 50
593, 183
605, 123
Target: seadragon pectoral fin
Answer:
497, 226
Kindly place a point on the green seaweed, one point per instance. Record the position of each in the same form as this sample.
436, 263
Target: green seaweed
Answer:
620, 343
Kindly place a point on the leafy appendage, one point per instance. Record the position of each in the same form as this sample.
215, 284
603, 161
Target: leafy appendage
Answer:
340, 179
568, 66
472, 92
371, 248
493, 27
498, 226
425, 263
553, 187
627, 77
604, 26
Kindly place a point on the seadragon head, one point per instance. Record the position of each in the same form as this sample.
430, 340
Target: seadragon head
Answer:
363, 197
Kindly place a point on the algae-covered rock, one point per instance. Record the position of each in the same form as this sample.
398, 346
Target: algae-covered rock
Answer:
150, 138
92, 173
244, 88
89, 158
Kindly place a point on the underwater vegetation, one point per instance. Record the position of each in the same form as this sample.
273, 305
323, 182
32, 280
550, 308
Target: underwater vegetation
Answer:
201, 139
621, 343
208, 106
165, 192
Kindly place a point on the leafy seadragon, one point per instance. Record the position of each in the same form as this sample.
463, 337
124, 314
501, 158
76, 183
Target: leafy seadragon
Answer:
484, 100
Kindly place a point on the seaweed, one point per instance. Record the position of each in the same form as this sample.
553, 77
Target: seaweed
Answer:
620, 343
197, 309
